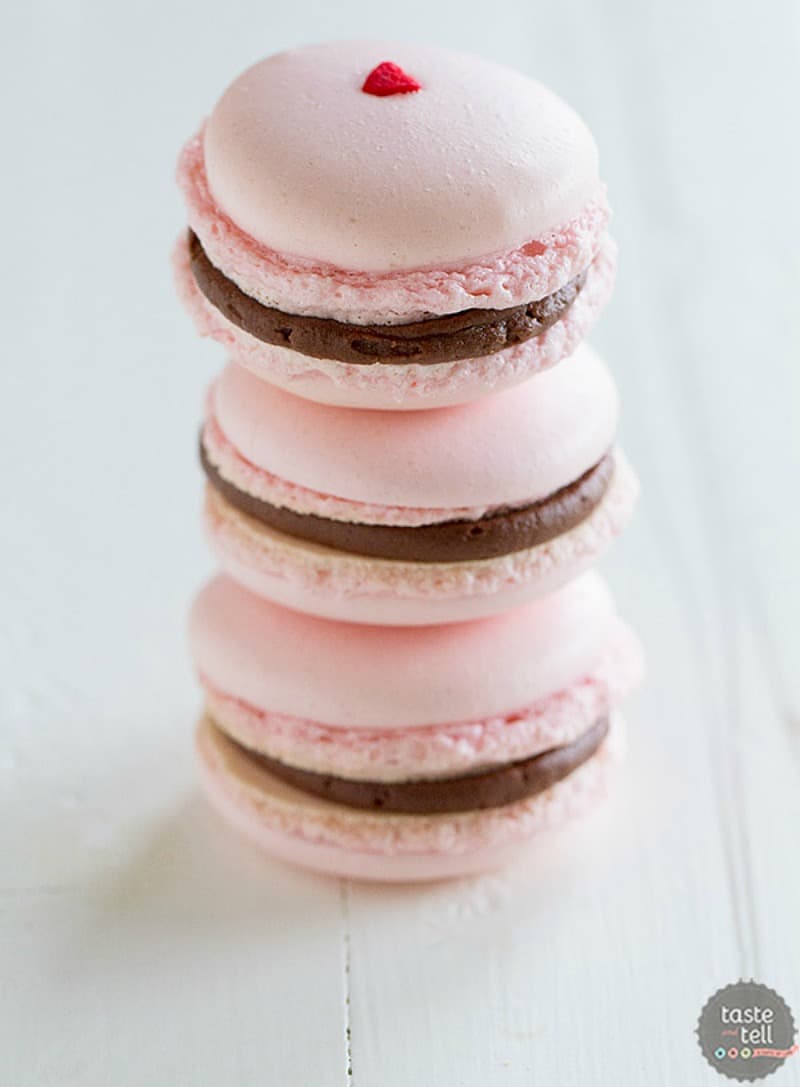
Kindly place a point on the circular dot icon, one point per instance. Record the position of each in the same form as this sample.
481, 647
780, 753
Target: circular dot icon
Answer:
733, 1053
719, 1052
746, 1053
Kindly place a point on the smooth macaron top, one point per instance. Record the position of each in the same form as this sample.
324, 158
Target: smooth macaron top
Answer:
353, 675
480, 160
517, 446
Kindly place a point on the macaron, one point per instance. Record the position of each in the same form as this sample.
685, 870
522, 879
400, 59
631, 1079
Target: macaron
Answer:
392, 226
414, 517
408, 753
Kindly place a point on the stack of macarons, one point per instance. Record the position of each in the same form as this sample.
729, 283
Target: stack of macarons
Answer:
409, 668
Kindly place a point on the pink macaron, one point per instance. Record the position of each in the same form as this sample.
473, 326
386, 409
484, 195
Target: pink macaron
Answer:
409, 752
415, 517
393, 226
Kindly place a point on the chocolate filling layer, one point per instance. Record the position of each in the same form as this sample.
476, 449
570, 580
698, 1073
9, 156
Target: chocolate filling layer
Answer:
500, 533
472, 792
469, 334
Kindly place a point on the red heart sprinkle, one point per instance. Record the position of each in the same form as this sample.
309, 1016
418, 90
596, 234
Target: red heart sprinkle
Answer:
389, 78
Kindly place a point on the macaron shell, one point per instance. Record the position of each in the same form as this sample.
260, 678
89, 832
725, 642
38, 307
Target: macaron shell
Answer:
336, 585
406, 387
366, 676
515, 447
480, 160
315, 834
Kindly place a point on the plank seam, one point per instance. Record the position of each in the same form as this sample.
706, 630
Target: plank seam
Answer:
344, 898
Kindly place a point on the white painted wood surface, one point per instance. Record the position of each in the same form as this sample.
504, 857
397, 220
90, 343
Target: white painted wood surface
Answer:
143, 944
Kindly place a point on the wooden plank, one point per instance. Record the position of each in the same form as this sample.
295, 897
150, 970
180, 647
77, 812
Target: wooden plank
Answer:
595, 972
140, 941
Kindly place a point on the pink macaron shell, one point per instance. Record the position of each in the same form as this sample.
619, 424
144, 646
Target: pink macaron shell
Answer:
363, 676
481, 159
413, 468
441, 750
330, 838
307, 287
338, 585
409, 386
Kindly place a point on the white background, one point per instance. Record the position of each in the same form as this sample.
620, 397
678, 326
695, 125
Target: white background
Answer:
143, 944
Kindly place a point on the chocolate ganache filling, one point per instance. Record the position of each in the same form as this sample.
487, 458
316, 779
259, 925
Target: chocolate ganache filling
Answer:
471, 333
475, 791
500, 532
